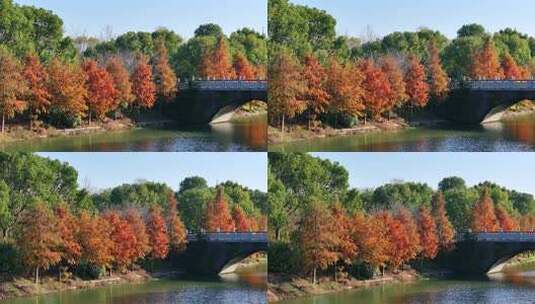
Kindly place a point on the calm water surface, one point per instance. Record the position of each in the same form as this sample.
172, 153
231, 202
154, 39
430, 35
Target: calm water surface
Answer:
516, 286
516, 134
247, 286
248, 134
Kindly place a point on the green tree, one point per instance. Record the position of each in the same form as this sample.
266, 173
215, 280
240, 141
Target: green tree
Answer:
209, 29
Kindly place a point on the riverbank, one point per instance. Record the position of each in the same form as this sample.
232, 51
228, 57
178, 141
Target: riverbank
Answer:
281, 287
520, 109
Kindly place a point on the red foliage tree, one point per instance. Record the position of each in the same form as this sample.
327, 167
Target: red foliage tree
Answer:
506, 222
510, 68
142, 246
243, 68
67, 226
485, 62
217, 217
416, 86
101, 90
391, 68
438, 77
94, 237
445, 230
68, 87
397, 237
217, 63
344, 85
177, 231
12, 86
121, 81
370, 236
38, 97
143, 86
428, 233
157, 231
345, 247
483, 214
377, 90
315, 94
411, 228
166, 80
123, 241
241, 221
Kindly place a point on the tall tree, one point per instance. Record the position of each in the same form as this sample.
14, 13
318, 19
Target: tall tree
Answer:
217, 215
483, 214
411, 228
370, 236
94, 238
510, 68
344, 85
439, 81
445, 230
39, 241
286, 86
416, 86
391, 68
165, 77
67, 227
12, 86
121, 81
177, 231
38, 97
157, 231
216, 63
485, 62
142, 246
428, 233
143, 85
243, 68
345, 247
68, 88
506, 222
399, 247
243, 224
377, 90
123, 240
315, 94
101, 90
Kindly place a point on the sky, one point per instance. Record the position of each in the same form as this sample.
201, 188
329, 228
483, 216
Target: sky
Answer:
368, 170
92, 17
447, 16
106, 170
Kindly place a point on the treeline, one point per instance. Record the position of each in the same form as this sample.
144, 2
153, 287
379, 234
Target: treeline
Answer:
317, 223
316, 74
61, 80
47, 223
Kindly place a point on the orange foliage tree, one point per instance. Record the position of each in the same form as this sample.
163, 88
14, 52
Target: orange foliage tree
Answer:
317, 239
94, 237
416, 85
439, 81
240, 219
143, 86
506, 222
217, 63
68, 87
345, 247
510, 68
123, 241
377, 90
39, 241
483, 214
485, 62
12, 86
344, 85
411, 228
398, 239
370, 236
142, 246
286, 88
243, 68
445, 230
157, 231
177, 231
121, 81
101, 90
315, 94
428, 233
391, 68
38, 96
67, 226
217, 217
166, 80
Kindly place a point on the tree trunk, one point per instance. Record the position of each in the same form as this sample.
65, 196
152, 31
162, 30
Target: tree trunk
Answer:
3, 122
314, 277
278, 234
282, 124
37, 275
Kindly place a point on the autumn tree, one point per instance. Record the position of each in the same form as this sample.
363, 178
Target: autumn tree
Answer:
121, 81
398, 239
438, 78
485, 62
428, 233
370, 236
483, 214
94, 238
68, 88
505, 221
416, 86
216, 63
143, 86
39, 241
157, 231
344, 85
405, 217
377, 90
142, 246
315, 94
510, 68
345, 248
12, 86
445, 230
243, 68
217, 215
286, 87
123, 240
67, 228
101, 90
242, 223
316, 239
391, 68
38, 97
165, 77
177, 231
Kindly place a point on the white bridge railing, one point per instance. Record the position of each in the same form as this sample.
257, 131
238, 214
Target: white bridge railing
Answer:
230, 237
224, 85
496, 85
513, 236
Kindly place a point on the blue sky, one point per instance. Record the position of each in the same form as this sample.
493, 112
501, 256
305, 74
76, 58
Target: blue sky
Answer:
105, 170
385, 16
512, 170
92, 16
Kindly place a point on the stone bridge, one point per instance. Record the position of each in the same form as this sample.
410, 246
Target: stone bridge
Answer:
213, 253
481, 253
471, 101
205, 101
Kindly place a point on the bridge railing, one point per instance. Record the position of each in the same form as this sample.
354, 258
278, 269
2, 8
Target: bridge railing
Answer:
496, 85
509, 236
224, 85
229, 237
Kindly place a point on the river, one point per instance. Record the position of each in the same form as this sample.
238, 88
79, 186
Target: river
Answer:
246, 134
248, 285
515, 286
515, 134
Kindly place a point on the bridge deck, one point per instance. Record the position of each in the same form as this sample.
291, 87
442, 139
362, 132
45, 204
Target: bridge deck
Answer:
522, 236
224, 85
497, 85
230, 237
